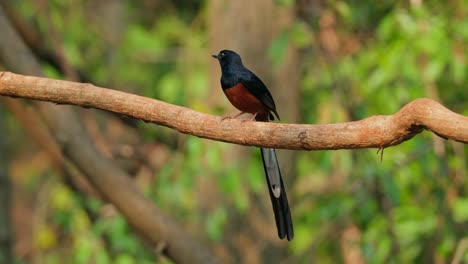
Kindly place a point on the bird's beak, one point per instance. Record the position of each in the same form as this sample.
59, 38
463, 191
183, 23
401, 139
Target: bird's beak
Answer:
214, 56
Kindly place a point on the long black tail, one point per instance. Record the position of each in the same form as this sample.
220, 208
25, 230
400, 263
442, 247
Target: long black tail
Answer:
277, 192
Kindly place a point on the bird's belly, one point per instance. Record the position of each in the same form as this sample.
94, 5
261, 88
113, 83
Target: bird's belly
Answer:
243, 100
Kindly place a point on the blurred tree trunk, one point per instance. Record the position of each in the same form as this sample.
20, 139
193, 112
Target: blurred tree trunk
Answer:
5, 227
111, 16
251, 36
249, 27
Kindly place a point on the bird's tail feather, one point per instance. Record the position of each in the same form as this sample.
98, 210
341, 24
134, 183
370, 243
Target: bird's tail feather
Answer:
277, 192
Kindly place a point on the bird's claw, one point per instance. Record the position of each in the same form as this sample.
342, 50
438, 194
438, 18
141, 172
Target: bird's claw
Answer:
226, 117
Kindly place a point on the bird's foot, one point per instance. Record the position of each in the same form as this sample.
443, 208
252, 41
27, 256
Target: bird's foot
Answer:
232, 117
250, 119
226, 117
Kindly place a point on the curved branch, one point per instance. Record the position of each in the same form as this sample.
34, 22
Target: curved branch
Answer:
373, 132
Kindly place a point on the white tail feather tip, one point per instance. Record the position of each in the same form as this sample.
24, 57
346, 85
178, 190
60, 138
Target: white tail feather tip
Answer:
276, 191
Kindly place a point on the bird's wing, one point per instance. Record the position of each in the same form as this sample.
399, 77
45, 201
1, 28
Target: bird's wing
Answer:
252, 83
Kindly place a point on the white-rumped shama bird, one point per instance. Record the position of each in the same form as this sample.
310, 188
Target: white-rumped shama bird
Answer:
249, 94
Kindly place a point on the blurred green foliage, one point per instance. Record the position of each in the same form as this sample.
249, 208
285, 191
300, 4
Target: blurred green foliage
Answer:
410, 207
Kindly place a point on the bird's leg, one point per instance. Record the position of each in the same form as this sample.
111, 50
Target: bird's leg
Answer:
252, 118
239, 114
232, 117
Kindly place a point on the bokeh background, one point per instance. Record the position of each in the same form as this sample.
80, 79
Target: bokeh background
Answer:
324, 62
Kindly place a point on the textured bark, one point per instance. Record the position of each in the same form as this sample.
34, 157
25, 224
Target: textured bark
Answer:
111, 181
373, 132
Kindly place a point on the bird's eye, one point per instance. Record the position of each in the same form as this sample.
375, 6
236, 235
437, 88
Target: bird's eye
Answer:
222, 54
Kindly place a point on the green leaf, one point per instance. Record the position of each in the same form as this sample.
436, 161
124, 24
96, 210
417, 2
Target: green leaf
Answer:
433, 70
285, 3
169, 88
301, 35
278, 47
460, 210
215, 223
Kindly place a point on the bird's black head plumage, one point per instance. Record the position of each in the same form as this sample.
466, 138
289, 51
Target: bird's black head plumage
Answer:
228, 58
